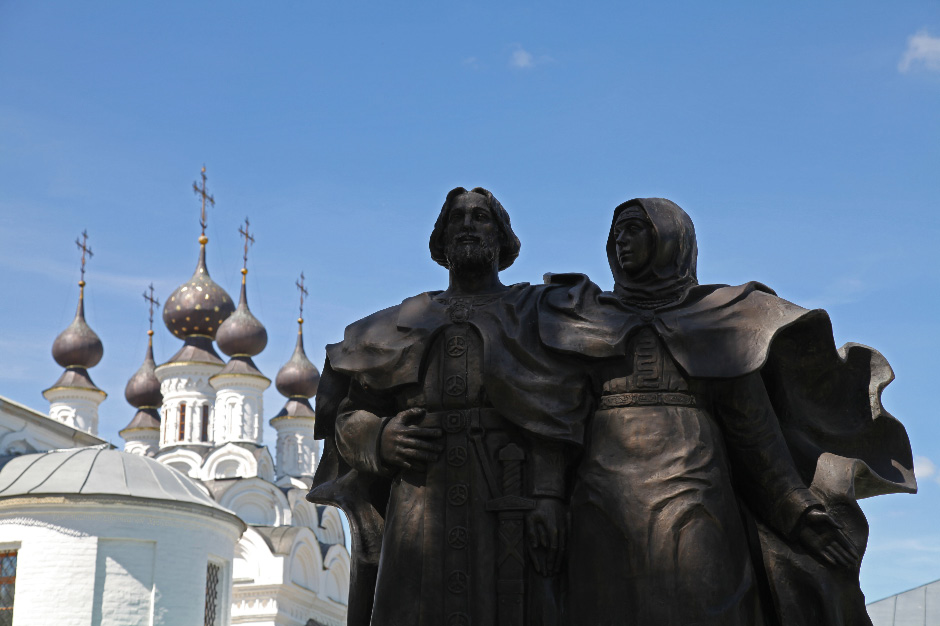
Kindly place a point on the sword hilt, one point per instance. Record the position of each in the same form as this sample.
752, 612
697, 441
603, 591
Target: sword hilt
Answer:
511, 458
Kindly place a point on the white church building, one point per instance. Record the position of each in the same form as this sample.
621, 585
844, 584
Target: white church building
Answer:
194, 522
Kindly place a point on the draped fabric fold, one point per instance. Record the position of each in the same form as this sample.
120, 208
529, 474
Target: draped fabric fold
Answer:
827, 401
539, 391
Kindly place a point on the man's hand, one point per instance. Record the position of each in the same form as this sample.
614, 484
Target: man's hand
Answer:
409, 446
547, 530
822, 536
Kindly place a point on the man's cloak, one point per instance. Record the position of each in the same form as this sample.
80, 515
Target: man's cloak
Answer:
538, 390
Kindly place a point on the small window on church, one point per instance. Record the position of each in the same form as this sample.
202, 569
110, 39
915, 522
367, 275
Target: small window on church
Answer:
204, 434
7, 586
213, 573
182, 429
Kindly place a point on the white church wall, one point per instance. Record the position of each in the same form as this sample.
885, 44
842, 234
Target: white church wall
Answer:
148, 553
124, 570
257, 502
239, 407
186, 385
283, 586
296, 450
24, 430
52, 562
75, 407
229, 461
303, 513
182, 460
330, 529
336, 574
144, 443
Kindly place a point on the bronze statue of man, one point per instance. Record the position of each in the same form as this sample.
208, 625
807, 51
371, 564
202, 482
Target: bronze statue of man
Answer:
447, 428
729, 444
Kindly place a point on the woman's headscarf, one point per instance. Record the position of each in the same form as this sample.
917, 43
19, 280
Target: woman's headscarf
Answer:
670, 271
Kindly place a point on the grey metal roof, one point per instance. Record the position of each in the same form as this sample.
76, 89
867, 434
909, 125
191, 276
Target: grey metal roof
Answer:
917, 607
98, 470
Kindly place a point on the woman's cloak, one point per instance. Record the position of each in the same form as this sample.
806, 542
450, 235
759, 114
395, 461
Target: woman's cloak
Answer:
828, 401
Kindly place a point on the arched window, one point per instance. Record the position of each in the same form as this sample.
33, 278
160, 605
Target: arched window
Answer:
182, 429
204, 431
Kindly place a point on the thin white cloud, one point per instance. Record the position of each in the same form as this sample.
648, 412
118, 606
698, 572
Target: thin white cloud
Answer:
924, 467
922, 50
521, 59
471, 62
844, 290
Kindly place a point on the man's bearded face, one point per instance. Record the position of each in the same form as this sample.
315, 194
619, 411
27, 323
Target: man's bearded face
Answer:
471, 235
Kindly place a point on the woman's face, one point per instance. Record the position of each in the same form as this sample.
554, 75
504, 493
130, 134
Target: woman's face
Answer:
635, 242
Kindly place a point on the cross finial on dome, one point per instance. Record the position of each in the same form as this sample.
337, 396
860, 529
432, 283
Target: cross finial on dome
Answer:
303, 292
203, 192
249, 240
86, 250
153, 302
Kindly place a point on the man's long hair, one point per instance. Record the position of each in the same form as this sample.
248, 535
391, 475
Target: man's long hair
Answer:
509, 244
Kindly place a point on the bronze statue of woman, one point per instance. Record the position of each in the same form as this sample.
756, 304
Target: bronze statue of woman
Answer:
728, 447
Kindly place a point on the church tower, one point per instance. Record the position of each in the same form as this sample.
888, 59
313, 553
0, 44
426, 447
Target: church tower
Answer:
142, 434
297, 450
193, 313
74, 398
239, 387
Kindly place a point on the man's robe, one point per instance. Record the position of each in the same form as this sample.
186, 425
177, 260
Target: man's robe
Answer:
828, 402
539, 392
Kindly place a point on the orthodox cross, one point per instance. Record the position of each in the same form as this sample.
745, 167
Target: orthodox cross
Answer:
201, 191
249, 240
83, 246
303, 292
153, 302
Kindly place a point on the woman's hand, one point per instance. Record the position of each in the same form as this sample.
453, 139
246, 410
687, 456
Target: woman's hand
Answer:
823, 537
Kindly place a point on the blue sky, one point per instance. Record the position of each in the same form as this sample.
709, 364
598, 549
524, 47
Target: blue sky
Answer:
803, 140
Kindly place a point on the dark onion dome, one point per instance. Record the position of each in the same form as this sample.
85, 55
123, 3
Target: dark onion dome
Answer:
78, 346
299, 378
242, 335
241, 365
75, 378
143, 389
76, 349
199, 306
144, 419
294, 408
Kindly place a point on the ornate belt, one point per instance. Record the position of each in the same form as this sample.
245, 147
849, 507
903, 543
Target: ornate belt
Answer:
459, 420
655, 398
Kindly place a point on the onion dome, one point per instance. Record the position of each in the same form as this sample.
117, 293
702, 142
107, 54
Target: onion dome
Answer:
78, 345
195, 311
199, 306
143, 389
77, 348
145, 419
242, 334
241, 337
298, 380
